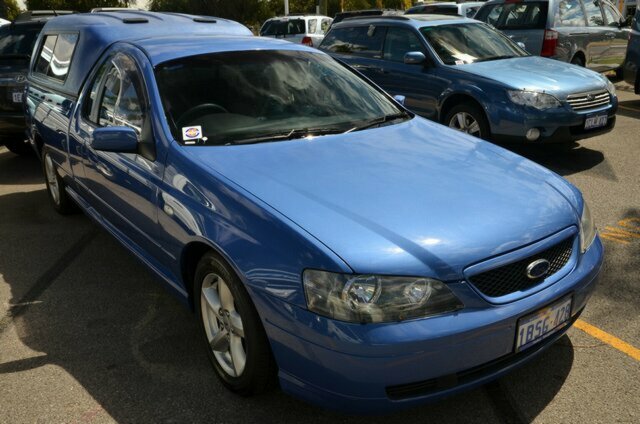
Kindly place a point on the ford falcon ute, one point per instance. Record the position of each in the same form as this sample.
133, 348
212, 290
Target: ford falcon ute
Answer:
326, 238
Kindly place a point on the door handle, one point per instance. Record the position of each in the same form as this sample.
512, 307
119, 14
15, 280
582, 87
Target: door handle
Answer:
104, 170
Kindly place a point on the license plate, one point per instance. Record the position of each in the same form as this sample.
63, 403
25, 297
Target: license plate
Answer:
595, 121
535, 327
17, 97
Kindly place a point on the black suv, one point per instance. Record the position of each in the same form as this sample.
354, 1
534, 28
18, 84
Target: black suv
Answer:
16, 44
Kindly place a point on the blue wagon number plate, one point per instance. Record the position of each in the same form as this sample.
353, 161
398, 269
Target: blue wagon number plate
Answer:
535, 327
595, 121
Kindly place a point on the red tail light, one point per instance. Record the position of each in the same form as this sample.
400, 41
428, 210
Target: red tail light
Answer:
550, 43
307, 41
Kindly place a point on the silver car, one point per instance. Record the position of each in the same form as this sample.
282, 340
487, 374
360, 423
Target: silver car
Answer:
589, 33
302, 29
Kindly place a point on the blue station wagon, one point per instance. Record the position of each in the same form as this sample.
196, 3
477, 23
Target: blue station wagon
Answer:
469, 76
326, 237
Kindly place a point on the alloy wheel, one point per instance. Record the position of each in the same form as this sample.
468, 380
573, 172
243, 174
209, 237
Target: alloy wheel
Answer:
52, 179
223, 325
465, 122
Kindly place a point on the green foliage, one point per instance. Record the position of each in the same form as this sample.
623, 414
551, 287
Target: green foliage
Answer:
9, 9
78, 5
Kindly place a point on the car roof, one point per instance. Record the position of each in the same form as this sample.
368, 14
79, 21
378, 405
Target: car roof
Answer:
163, 49
417, 21
98, 31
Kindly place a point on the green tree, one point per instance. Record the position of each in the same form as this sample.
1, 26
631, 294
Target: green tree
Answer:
79, 5
9, 9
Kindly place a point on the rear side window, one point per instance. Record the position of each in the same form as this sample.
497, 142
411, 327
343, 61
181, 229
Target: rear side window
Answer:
361, 41
55, 55
530, 15
313, 26
594, 14
284, 27
324, 26
570, 14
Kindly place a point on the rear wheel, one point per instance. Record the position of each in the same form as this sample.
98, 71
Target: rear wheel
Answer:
61, 201
577, 60
468, 118
236, 342
17, 146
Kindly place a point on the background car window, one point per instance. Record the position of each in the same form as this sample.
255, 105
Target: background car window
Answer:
313, 26
324, 26
62, 53
612, 16
121, 103
17, 39
46, 54
361, 41
398, 42
570, 14
594, 14
471, 11
529, 15
284, 27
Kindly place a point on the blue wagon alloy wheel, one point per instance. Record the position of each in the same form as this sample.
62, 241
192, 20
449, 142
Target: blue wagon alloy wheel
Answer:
468, 118
56, 187
464, 122
236, 341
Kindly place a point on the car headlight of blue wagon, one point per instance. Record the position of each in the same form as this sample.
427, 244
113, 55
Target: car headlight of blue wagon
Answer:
376, 298
540, 101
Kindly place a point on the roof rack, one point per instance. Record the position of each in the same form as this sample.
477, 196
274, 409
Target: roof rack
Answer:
114, 9
381, 17
31, 15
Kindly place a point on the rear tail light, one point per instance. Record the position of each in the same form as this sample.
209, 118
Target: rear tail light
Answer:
307, 41
550, 43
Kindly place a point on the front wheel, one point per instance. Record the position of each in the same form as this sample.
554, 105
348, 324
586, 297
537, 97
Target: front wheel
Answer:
61, 201
468, 118
236, 342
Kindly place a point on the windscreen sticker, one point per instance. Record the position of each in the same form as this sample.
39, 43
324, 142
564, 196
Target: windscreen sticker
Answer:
192, 133
459, 62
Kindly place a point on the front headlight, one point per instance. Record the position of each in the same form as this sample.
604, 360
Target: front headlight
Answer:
587, 228
376, 298
610, 87
540, 101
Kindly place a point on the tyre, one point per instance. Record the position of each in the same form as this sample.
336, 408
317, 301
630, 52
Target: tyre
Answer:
577, 60
61, 201
619, 73
18, 147
468, 118
236, 342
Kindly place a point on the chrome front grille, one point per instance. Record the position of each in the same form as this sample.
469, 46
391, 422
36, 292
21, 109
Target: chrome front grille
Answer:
510, 278
591, 100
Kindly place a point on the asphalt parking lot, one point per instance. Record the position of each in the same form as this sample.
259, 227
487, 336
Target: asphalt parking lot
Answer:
88, 336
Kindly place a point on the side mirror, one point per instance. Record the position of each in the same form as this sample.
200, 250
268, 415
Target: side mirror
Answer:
115, 139
414, 58
399, 98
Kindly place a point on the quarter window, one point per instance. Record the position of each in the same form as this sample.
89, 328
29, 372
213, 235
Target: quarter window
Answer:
398, 42
313, 26
55, 55
594, 14
570, 14
324, 26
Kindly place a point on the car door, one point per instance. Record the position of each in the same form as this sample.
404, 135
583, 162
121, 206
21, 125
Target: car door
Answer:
122, 187
420, 87
598, 43
617, 35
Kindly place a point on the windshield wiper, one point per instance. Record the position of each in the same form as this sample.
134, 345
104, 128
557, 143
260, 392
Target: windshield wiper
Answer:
288, 135
486, 59
380, 121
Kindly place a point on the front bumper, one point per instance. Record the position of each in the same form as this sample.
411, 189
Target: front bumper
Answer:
561, 125
374, 368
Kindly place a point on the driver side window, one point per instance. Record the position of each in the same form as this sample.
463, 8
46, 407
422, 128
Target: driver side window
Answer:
118, 86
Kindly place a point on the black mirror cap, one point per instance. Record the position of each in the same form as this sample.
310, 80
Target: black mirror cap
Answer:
115, 139
415, 58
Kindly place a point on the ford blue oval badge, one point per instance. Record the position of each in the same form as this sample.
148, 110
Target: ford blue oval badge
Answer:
538, 269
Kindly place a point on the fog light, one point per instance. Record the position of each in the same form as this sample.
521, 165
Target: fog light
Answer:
533, 134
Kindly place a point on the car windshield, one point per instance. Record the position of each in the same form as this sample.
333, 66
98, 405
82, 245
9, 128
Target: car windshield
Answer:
258, 96
459, 44
283, 27
520, 15
17, 40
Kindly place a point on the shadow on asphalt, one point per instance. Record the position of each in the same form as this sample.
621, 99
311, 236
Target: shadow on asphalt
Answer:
16, 169
630, 108
107, 322
565, 159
